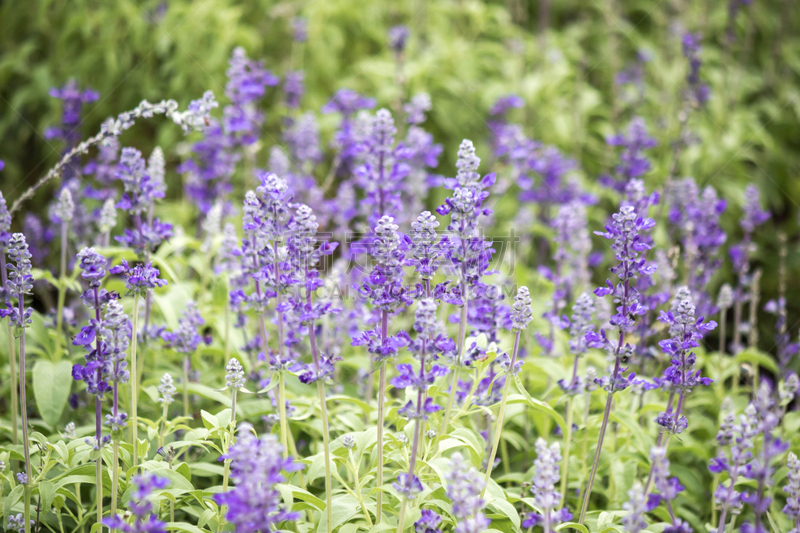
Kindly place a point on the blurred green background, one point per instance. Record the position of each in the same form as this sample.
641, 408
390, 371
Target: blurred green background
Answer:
560, 56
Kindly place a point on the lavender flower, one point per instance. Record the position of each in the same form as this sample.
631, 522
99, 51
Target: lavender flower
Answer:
139, 278
19, 282
116, 333
293, 88
145, 518
792, 490
186, 338
257, 466
464, 486
381, 174
686, 331
739, 438
465, 248
302, 138
398, 35
425, 250
627, 231
156, 170
428, 522
65, 207
697, 215
299, 29
571, 269
415, 109
247, 83
17, 523
5, 225
107, 218
234, 377
167, 389
72, 99
633, 162
304, 253
752, 217
544, 490
668, 489
384, 288
760, 467
633, 76
581, 323
697, 93
636, 507
139, 188
98, 371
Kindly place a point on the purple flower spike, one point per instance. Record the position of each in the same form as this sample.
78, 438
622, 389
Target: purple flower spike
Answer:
398, 35
19, 282
633, 162
72, 99
680, 377
792, 490
257, 467
140, 278
697, 93
186, 338
626, 230
635, 507
544, 490
464, 486
141, 507
428, 522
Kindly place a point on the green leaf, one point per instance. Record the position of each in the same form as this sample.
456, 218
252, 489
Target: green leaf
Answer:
51, 387
11, 499
47, 491
572, 525
756, 357
343, 509
540, 405
183, 526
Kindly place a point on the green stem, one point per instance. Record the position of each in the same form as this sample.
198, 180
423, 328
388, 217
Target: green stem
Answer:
401, 520
587, 495
501, 414
99, 482
62, 290
324, 415
12, 363
114, 478
227, 328
282, 412
381, 415
163, 425
326, 443
357, 481
134, 383
185, 385
567, 445
26, 447
27, 491
226, 474
282, 374
462, 333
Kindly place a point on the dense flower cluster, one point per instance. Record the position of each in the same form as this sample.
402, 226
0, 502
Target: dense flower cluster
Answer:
681, 377
464, 488
544, 491
254, 504
141, 507
626, 231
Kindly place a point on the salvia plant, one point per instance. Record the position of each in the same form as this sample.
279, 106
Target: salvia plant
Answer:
313, 319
